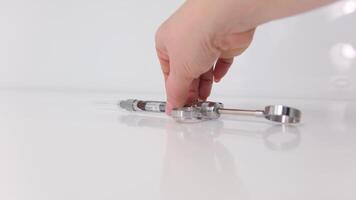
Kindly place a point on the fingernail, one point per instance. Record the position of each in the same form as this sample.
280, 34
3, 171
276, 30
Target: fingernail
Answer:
216, 80
169, 108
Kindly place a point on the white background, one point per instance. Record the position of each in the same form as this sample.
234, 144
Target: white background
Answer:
63, 61
108, 45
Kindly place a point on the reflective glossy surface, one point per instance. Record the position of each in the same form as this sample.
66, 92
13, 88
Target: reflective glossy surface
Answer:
74, 146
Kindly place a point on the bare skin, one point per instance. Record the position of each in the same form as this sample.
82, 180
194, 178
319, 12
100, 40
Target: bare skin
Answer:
197, 45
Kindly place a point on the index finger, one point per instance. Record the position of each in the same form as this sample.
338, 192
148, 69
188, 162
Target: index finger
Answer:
164, 62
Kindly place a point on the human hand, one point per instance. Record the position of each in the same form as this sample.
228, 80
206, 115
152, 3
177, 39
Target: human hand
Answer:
198, 43
196, 47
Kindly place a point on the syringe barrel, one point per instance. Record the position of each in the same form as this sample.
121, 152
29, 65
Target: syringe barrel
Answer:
147, 106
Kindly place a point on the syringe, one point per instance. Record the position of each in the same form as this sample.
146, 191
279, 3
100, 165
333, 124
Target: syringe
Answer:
138, 105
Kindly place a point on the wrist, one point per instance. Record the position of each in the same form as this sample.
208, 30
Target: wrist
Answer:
222, 18
228, 15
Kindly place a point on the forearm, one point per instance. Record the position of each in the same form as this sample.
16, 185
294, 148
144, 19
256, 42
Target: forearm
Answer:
231, 16
275, 9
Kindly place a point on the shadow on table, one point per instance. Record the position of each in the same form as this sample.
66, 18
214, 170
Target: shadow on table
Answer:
197, 166
277, 137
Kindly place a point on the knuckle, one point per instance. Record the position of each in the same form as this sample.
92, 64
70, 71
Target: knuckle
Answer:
209, 46
160, 33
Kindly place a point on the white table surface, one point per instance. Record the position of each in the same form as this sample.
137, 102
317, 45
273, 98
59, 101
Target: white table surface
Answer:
68, 145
